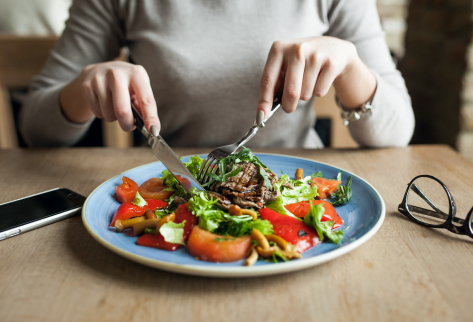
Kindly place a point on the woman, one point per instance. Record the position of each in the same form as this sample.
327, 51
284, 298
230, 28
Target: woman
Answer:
204, 66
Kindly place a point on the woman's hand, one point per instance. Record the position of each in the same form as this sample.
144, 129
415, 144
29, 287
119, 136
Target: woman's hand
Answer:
105, 90
308, 67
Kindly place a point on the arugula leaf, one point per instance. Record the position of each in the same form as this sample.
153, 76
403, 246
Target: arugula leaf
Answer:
264, 175
173, 233
318, 174
139, 201
343, 193
324, 229
226, 166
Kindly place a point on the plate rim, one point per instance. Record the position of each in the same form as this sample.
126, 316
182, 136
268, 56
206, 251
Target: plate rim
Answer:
243, 271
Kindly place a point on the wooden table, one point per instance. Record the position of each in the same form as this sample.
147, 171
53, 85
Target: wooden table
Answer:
404, 273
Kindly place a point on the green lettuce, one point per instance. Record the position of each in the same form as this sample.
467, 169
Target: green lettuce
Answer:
324, 229
214, 219
173, 233
194, 164
139, 201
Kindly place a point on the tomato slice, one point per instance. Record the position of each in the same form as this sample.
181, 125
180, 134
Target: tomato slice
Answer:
301, 209
184, 181
325, 186
127, 190
128, 210
154, 189
215, 248
291, 229
157, 240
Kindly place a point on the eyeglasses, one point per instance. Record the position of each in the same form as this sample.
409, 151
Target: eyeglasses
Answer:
429, 203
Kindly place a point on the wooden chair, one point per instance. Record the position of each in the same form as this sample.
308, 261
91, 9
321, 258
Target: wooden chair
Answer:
21, 58
326, 107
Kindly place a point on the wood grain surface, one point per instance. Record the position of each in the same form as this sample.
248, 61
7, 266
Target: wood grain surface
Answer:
404, 273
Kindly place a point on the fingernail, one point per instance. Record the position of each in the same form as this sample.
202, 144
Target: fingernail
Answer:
260, 117
154, 129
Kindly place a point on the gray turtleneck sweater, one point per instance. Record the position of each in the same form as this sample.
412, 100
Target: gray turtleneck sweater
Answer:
205, 59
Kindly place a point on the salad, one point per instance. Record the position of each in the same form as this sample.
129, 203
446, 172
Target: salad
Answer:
247, 211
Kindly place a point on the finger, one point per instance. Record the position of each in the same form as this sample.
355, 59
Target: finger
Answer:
311, 71
293, 81
104, 97
91, 99
325, 80
118, 85
141, 87
270, 77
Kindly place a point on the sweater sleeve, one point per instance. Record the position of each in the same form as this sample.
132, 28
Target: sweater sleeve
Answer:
93, 34
392, 119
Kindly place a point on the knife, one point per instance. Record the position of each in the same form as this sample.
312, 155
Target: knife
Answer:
165, 154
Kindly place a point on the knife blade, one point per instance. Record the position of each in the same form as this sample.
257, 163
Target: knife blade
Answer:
165, 154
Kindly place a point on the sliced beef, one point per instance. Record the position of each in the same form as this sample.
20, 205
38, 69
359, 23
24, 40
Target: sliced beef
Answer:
223, 201
271, 195
179, 201
247, 189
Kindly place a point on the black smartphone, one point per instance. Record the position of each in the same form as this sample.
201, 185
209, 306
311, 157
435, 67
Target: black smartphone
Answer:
25, 214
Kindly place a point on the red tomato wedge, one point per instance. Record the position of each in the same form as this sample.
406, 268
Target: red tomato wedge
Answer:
184, 181
325, 186
301, 209
157, 240
127, 190
215, 248
291, 230
154, 189
128, 210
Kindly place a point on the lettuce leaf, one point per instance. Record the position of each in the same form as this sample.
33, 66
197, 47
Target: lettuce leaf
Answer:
323, 228
194, 164
214, 219
139, 201
173, 233
302, 190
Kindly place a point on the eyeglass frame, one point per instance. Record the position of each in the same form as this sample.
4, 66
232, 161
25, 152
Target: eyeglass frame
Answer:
464, 229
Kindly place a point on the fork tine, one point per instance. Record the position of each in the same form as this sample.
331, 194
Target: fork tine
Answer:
212, 169
201, 173
206, 168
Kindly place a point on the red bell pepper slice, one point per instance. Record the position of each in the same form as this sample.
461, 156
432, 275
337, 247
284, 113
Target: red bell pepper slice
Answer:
127, 190
291, 229
301, 209
325, 187
128, 210
157, 240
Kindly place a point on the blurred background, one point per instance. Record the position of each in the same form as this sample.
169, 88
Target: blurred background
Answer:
430, 40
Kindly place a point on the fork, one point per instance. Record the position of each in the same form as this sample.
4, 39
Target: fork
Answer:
209, 164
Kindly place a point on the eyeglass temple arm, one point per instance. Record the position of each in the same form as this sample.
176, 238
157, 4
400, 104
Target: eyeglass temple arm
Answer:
421, 194
436, 214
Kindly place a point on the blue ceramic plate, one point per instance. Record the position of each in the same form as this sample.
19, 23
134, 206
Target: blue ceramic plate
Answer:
363, 216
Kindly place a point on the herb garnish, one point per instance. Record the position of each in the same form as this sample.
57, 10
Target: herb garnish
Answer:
343, 193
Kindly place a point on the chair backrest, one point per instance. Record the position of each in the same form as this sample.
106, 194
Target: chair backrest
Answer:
21, 58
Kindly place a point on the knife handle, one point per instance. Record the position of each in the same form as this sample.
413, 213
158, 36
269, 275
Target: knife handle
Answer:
140, 125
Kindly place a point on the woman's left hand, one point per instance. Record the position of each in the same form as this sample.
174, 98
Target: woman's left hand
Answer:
308, 67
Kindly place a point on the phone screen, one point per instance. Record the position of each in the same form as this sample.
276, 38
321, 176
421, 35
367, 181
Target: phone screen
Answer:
23, 211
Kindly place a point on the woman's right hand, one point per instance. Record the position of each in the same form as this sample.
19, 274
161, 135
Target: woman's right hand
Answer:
106, 90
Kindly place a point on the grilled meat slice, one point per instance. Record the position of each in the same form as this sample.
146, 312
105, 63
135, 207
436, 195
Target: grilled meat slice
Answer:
247, 189
223, 201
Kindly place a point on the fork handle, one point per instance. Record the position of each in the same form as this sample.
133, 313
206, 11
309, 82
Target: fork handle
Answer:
260, 121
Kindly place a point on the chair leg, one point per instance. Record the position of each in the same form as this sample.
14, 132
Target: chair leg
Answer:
8, 137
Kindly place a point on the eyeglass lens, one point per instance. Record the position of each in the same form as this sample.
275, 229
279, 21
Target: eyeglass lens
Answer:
428, 201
